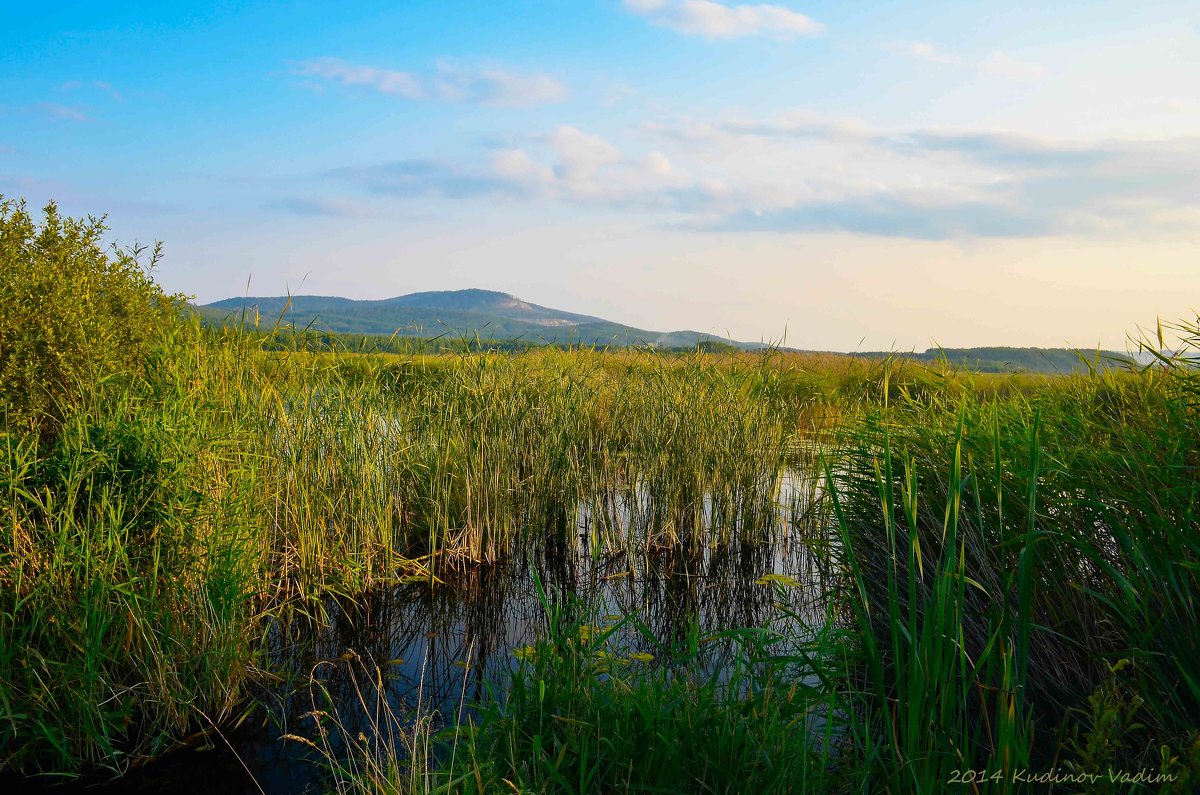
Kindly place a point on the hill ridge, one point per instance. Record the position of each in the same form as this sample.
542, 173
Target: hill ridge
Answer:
467, 312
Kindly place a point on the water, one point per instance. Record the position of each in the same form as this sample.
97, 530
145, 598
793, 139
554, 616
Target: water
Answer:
444, 646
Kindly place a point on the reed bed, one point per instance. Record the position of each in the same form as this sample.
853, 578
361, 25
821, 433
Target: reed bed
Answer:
1000, 551
1013, 596
172, 516
602, 704
1023, 571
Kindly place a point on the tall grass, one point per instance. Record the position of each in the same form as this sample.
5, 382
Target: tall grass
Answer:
1005, 547
126, 581
149, 543
1008, 557
1013, 561
1019, 560
603, 705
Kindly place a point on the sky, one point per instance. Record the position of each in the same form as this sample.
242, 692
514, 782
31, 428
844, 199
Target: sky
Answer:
833, 176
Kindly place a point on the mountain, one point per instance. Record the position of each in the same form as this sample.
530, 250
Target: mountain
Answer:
452, 313
462, 314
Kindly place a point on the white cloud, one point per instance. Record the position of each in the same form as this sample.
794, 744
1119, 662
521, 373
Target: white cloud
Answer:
61, 112
580, 158
385, 81
448, 83
658, 163
516, 165
616, 93
646, 6
498, 87
567, 165
997, 64
714, 20
803, 173
97, 85
799, 173
925, 51
1177, 105
1001, 65
588, 168
323, 206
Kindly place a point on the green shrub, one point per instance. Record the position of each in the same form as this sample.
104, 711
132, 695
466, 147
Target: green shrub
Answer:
72, 314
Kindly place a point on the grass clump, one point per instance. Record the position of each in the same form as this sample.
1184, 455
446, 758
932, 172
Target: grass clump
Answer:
1005, 554
601, 705
585, 718
125, 614
128, 547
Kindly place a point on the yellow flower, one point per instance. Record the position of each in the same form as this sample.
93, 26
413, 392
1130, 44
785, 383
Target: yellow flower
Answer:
782, 579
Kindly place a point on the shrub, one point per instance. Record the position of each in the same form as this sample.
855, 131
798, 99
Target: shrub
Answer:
72, 314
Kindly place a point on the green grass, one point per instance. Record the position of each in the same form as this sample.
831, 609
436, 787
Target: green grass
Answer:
602, 705
173, 515
1013, 562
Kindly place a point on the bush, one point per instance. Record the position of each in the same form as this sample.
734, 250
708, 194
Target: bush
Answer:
71, 313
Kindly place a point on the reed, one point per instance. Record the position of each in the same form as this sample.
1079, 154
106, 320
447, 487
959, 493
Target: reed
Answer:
601, 705
1005, 554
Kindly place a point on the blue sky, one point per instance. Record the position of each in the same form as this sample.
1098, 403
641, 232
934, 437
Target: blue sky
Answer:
855, 175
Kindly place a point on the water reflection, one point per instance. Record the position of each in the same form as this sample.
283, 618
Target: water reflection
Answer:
441, 646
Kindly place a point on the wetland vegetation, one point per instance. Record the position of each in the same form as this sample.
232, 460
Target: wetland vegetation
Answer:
667, 572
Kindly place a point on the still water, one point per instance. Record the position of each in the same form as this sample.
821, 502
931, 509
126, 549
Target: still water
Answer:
444, 646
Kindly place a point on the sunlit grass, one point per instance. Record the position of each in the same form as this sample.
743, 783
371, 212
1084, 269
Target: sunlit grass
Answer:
1012, 562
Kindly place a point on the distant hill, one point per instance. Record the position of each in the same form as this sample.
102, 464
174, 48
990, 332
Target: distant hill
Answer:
499, 317
1012, 360
453, 313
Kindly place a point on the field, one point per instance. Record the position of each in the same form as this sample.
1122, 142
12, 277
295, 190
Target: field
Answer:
1002, 572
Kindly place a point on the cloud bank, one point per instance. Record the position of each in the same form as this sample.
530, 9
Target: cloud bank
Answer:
798, 173
996, 64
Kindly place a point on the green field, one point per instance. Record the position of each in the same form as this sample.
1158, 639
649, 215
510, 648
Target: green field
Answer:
1010, 564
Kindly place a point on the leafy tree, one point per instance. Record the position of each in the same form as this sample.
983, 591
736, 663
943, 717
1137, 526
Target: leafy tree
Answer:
716, 346
73, 313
